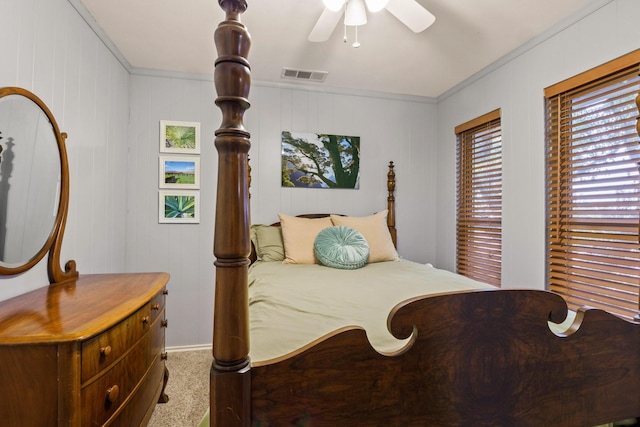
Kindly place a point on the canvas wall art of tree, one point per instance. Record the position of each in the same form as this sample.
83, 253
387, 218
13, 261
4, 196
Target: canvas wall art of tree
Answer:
312, 160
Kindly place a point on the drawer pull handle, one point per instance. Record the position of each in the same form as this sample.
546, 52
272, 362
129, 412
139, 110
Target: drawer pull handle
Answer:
112, 393
105, 351
164, 356
145, 320
164, 323
155, 306
165, 292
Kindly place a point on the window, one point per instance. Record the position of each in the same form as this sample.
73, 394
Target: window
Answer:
479, 201
593, 187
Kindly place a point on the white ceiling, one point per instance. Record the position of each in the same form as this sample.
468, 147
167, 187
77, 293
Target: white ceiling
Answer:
177, 36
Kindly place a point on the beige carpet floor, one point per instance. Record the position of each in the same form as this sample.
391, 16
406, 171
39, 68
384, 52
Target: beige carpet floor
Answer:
188, 390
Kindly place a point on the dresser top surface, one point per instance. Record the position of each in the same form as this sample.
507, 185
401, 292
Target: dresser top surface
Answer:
76, 310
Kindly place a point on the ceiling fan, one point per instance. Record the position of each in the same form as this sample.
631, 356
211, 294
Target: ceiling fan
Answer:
409, 12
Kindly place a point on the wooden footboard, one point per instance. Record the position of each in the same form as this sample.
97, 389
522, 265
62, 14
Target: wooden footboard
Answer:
485, 358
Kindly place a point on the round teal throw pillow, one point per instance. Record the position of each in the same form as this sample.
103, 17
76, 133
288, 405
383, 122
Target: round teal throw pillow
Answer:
341, 247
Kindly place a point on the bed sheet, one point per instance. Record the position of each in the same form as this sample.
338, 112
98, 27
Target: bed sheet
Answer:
292, 305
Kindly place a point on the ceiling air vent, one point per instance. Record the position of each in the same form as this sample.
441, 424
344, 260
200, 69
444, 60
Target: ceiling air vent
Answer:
308, 75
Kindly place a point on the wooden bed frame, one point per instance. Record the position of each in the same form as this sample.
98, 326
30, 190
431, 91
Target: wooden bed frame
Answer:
483, 358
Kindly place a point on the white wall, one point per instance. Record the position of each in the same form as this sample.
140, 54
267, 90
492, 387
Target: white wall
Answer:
183, 250
401, 130
47, 48
398, 130
517, 87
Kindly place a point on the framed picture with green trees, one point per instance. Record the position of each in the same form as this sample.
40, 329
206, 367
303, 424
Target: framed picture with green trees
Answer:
179, 137
179, 207
312, 160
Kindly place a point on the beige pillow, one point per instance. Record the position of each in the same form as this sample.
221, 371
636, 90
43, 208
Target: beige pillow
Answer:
374, 228
298, 235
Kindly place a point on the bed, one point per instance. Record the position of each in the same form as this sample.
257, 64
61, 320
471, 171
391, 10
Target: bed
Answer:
467, 357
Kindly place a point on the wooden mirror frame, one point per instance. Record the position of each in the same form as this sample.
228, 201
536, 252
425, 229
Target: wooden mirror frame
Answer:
53, 244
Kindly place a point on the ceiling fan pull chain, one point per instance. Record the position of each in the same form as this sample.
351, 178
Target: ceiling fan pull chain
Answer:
356, 43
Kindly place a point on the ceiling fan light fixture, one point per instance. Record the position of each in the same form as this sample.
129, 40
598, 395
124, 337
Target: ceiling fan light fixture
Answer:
409, 12
355, 13
376, 5
333, 5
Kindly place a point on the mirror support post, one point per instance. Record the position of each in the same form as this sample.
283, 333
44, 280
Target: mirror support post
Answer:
56, 275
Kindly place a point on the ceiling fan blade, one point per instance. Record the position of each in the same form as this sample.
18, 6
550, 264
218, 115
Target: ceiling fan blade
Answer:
325, 25
411, 14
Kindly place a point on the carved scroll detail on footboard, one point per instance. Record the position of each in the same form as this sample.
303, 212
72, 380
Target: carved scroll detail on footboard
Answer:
485, 358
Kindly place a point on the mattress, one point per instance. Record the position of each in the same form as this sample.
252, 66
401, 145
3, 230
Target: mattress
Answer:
291, 305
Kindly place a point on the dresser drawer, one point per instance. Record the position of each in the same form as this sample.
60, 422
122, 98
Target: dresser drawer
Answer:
102, 398
157, 335
100, 352
157, 304
143, 401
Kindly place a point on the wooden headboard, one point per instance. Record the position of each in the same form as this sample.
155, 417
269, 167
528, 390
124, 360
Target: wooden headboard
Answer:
391, 208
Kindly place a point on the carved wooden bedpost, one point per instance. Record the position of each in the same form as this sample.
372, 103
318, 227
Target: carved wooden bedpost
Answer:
391, 204
230, 375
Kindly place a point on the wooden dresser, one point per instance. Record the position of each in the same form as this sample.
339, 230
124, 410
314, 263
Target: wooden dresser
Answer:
88, 352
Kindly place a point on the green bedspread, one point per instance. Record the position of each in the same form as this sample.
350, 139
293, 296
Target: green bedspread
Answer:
291, 304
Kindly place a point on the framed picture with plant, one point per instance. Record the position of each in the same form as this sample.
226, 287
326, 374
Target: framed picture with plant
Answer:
179, 207
179, 172
179, 137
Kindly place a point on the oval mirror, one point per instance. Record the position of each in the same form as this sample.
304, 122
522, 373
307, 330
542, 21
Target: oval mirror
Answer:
31, 180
